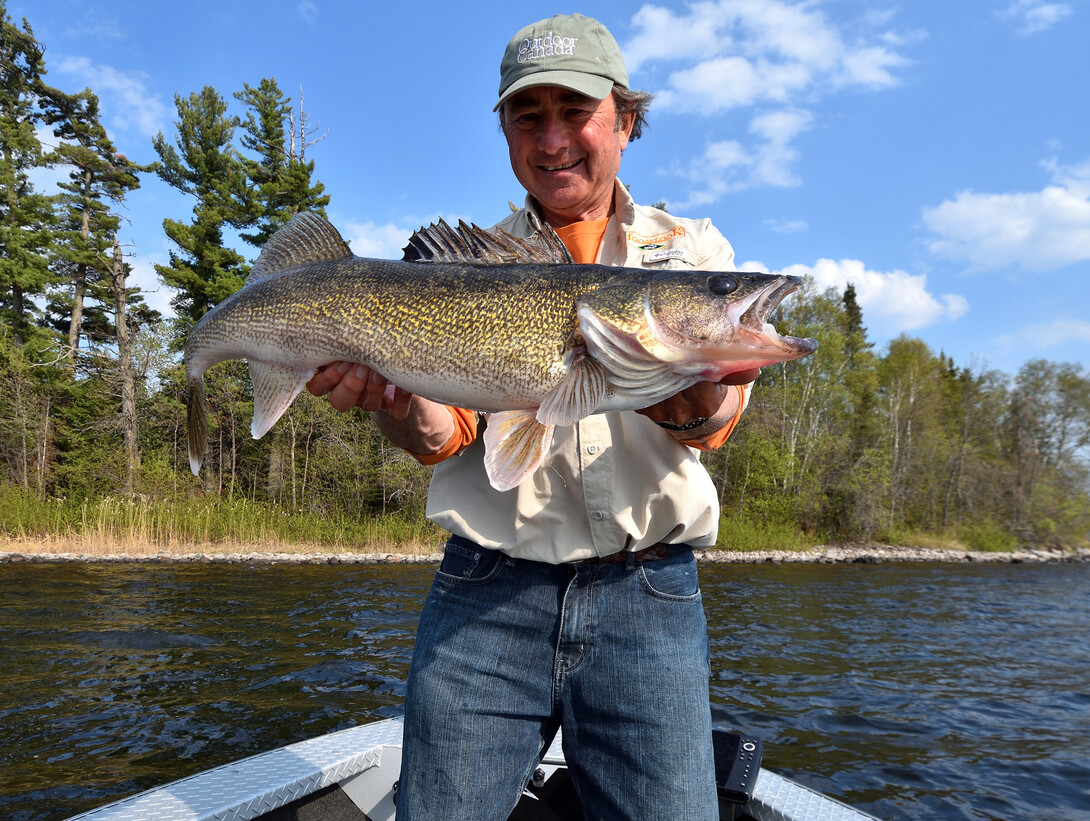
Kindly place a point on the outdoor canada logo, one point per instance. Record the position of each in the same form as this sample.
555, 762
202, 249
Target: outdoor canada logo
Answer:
550, 45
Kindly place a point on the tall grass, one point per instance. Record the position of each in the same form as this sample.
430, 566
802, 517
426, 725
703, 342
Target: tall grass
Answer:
147, 526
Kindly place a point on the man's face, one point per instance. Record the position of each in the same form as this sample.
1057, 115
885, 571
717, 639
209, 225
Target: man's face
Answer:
566, 151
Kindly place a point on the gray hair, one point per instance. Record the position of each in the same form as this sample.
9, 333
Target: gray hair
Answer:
631, 101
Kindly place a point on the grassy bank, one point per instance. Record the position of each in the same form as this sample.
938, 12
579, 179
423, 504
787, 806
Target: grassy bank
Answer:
143, 527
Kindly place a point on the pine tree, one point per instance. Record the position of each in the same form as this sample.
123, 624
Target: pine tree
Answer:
280, 175
25, 215
205, 165
87, 225
860, 377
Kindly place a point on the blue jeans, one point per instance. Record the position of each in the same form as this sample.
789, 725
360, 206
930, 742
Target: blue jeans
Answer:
508, 650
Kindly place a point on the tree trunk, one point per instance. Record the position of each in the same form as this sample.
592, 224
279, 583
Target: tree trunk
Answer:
125, 373
79, 277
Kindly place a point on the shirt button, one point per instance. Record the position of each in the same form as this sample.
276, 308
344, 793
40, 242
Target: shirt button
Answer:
592, 449
598, 515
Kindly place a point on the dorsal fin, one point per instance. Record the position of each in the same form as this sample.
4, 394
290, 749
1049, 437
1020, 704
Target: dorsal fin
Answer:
307, 238
476, 246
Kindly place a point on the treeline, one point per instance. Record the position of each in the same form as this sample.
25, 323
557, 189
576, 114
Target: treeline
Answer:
849, 444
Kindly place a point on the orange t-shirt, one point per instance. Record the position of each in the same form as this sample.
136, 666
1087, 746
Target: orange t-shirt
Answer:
583, 239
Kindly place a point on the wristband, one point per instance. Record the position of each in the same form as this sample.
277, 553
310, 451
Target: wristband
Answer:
690, 425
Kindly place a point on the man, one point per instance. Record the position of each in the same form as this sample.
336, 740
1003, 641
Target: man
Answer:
572, 600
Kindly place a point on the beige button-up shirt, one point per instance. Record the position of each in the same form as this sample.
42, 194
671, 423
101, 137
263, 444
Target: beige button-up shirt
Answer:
614, 481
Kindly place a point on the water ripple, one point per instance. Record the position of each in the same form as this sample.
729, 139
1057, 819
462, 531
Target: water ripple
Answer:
912, 691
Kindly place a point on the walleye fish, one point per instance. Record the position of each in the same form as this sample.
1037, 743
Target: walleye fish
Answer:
483, 321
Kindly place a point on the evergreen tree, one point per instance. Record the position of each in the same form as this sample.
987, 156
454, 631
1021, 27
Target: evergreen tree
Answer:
280, 176
87, 226
205, 165
861, 377
25, 215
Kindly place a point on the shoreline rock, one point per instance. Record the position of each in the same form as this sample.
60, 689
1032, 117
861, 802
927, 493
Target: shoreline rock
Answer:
870, 554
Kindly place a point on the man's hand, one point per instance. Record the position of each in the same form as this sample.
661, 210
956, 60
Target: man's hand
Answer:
704, 400
411, 422
350, 385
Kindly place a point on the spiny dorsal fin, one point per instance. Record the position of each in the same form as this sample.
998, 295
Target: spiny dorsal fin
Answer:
307, 238
472, 245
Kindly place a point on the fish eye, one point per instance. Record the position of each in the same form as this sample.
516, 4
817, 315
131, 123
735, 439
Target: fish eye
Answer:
722, 284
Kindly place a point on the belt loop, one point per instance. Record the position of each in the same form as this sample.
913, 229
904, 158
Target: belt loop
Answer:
630, 560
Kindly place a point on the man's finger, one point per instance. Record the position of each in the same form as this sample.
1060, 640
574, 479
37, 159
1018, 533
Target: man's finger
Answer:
324, 379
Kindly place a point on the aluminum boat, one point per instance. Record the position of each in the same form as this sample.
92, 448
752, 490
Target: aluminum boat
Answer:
351, 775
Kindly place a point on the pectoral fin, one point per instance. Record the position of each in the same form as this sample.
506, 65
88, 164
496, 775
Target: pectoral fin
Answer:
515, 443
275, 388
578, 394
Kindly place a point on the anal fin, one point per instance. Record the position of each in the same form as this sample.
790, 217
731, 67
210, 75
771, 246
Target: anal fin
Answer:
515, 444
275, 388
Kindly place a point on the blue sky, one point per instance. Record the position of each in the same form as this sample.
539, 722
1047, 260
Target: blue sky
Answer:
934, 153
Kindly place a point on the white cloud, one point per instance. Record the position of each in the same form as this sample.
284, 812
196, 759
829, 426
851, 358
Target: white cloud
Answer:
309, 12
1032, 16
1061, 332
1036, 230
787, 226
369, 239
777, 57
728, 165
744, 52
893, 301
126, 99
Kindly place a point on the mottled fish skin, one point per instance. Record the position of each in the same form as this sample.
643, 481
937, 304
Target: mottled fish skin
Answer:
487, 322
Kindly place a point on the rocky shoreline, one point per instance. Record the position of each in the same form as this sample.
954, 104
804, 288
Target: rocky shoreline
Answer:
869, 554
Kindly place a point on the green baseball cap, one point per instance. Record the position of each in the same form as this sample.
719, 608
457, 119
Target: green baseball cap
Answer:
568, 50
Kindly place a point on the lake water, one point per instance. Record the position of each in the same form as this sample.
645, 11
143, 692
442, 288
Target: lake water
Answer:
913, 691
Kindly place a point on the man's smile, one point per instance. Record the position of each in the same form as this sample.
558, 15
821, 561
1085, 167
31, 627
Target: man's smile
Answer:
563, 167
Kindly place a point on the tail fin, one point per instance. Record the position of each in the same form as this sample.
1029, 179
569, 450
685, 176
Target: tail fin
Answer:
197, 424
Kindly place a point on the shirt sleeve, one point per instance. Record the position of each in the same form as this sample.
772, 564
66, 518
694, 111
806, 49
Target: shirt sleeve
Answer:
465, 431
718, 253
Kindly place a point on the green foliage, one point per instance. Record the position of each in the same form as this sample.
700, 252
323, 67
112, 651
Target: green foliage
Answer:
206, 166
87, 224
280, 175
26, 219
751, 533
987, 535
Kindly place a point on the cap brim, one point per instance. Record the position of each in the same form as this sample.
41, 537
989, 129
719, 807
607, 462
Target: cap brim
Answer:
592, 85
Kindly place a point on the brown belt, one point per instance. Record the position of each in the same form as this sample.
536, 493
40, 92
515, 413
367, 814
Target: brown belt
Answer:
647, 554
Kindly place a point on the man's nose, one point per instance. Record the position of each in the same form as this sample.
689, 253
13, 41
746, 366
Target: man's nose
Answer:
554, 135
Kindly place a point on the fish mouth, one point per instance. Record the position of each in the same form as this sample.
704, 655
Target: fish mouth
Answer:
755, 318
758, 332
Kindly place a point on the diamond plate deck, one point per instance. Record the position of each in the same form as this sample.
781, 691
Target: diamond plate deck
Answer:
776, 798
245, 789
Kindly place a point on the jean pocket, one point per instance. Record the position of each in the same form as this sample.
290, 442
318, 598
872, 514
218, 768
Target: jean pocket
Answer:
465, 562
671, 579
